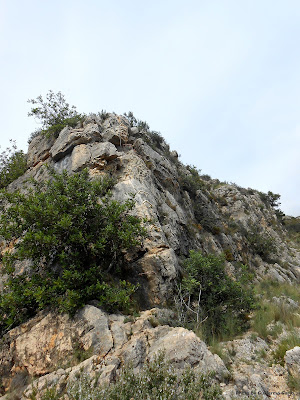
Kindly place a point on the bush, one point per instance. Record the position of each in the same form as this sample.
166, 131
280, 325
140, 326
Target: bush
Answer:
261, 243
134, 122
270, 199
157, 380
75, 243
192, 182
54, 114
209, 299
13, 164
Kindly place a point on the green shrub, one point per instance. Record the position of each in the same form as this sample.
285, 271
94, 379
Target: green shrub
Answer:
134, 122
54, 114
13, 164
272, 200
75, 243
192, 182
285, 344
210, 300
157, 380
261, 243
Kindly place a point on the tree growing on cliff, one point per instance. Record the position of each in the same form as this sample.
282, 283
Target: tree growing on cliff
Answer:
74, 235
54, 113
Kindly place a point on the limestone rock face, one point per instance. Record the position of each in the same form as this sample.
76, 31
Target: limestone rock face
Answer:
211, 216
184, 212
39, 150
70, 138
109, 341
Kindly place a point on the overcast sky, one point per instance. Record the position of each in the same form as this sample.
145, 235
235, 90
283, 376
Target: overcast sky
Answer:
219, 79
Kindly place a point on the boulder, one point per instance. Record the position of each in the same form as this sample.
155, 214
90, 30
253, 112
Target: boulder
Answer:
292, 361
39, 149
69, 138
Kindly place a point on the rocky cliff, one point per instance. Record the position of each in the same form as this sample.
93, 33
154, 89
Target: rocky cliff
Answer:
185, 210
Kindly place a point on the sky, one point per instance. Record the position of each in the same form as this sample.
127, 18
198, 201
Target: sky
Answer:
220, 79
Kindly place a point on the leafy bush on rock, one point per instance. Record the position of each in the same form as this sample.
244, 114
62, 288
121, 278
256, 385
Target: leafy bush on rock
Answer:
157, 380
74, 235
209, 300
13, 164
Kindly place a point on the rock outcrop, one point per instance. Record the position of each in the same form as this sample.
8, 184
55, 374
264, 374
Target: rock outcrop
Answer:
48, 347
185, 211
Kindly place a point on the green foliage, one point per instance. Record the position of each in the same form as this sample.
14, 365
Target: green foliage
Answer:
270, 316
75, 243
211, 299
54, 113
292, 225
103, 115
192, 182
261, 242
157, 380
134, 122
13, 164
272, 200
152, 138
80, 354
285, 344
293, 382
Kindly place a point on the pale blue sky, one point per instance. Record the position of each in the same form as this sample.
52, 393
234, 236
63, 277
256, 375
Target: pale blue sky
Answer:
219, 79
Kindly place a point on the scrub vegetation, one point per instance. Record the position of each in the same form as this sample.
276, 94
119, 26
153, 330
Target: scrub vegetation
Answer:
54, 113
209, 301
157, 380
74, 236
13, 164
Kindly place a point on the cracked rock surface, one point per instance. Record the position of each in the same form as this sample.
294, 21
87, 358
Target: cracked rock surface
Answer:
109, 342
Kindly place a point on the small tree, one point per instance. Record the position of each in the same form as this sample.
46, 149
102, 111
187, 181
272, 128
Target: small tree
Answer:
13, 164
210, 299
54, 113
75, 235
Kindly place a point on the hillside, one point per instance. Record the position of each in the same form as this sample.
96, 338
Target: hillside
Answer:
182, 211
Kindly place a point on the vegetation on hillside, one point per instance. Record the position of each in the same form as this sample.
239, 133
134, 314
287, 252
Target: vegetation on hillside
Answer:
211, 302
13, 164
292, 225
54, 113
278, 308
75, 236
157, 380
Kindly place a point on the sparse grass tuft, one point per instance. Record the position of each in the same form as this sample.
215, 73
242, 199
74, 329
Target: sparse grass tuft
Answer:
294, 383
271, 315
286, 344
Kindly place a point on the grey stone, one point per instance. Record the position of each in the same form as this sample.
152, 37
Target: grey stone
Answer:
39, 149
69, 138
292, 361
